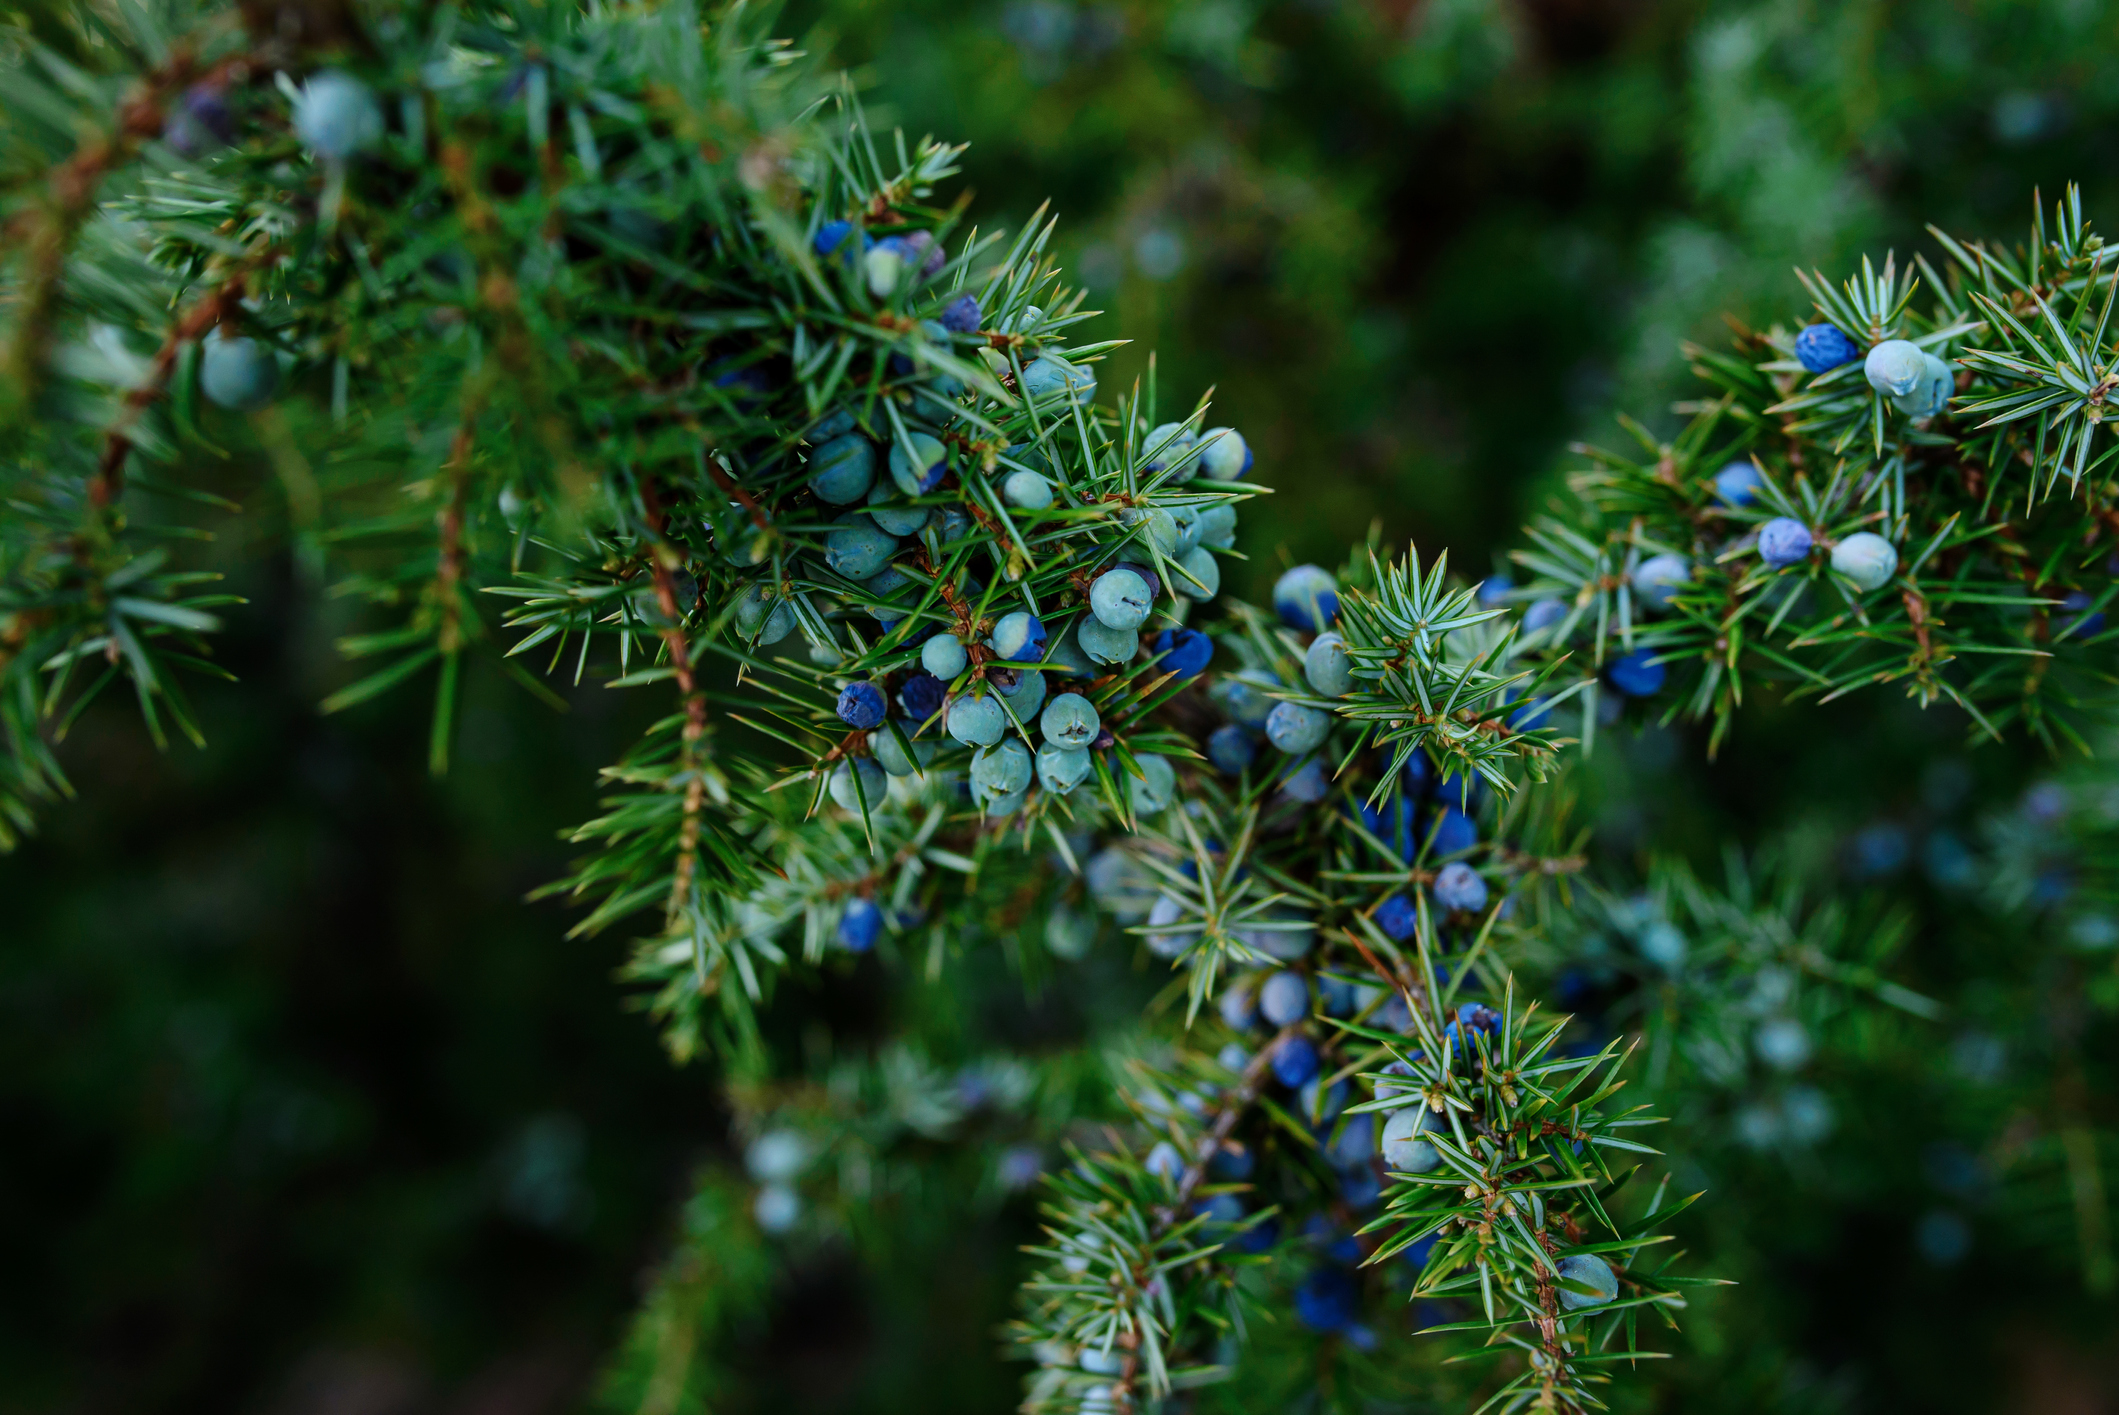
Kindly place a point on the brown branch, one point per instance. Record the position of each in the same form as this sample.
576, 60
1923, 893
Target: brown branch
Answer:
71, 197
680, 651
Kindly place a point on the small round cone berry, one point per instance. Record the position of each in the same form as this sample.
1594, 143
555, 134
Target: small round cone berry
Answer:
1284, 999
1326, 665
1231, 749
1737, 484
1657, 580
1070, 720
1820, 348
1894, 368
1784, 541
1458, 887
1120, 599
862, 705
1637, 674
1306, 597
976, 721
943, 655
238, 374
1586, 1280
860, 926
1185, 652
1867, 559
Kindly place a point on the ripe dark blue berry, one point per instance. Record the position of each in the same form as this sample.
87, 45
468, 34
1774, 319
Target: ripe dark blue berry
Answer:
860, 926
1295, 1061
922, 696
1454, 832
962, 315
1327, 1300
1784, 541
830, 235
1185, 652
1638, 674
1398, 916
1737, 484
1820, 348
862, 706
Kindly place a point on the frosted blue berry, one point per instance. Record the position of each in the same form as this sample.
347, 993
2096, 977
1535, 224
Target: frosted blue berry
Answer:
1217, 525
1296, 729
1185, 652
1933, 392
842, 470
763, 617
1070, 720
1737, 484
1327, 1301
1197, 575
1894, 368
1168, 445
1404, 1152
830, 236
1018, 636
1638, 674
854, 781
1543, 614
1820, 348
1308, 783
860, 926
1242, 695
1294, 1061
1398, 917
961, 315
336, 116
1065, 655
1784, 541
1000, 770
1231, 749
976, 722
1152, 791
858, 548
1586, 1280
862, 705
1120, 600
1459, 887
922, 696
1326, 665
1657, 580
1061, 769
1239, 1006
777, 1208
1223, 454
1494, 591
894, 517
1156, 524
919, 470
1168, 936
1002, 807
891, 754
1105, 644
944, 656
1027, 491
1306, 597
1025, 695
239, 374
1053, 377
1284, 999
1187, 518
1454, 832
1867, 559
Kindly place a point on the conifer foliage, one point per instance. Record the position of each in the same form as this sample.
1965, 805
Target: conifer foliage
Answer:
614, 344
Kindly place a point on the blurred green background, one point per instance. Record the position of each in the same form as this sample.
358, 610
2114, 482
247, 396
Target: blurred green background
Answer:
308, 1112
